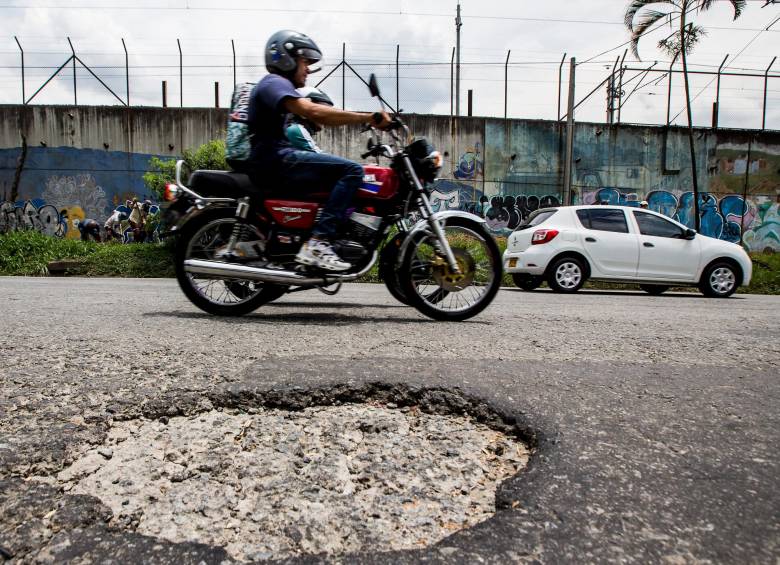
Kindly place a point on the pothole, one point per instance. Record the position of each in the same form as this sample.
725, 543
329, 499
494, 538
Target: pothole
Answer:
277, 483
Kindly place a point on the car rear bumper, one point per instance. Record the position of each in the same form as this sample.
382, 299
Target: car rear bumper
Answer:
747, 271
527, 261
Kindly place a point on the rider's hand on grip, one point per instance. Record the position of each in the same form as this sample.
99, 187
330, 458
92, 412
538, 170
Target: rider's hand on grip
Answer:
381, 120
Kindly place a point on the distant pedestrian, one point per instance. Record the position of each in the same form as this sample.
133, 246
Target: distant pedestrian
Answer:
643, 204
113, 225
89, 228
138, 213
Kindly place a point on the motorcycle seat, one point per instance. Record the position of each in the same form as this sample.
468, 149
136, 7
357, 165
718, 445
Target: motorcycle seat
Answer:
223, 184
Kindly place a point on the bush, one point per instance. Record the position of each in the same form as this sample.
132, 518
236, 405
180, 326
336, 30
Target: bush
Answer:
210, 155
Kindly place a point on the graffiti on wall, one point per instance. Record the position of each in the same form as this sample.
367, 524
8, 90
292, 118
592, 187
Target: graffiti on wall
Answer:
31, 215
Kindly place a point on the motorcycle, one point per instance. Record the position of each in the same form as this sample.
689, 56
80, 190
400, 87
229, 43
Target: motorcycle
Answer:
237, 242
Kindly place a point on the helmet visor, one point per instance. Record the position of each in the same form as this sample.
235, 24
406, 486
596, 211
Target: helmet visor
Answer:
311, 54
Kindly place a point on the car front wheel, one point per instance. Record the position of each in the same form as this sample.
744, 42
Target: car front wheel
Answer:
719, 280
566, 275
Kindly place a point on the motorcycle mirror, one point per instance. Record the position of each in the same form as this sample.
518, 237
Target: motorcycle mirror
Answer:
373, 86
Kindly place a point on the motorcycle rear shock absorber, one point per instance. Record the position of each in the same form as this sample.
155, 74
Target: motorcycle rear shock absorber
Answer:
242, 211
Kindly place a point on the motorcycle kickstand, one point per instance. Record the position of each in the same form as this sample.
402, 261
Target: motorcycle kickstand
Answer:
329, 292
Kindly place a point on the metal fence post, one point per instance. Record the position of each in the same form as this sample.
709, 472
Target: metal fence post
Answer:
343, 76
452, 84
506, 82
181, 76
397, 79
216, 94
766, 80
75, 100
716, 108
127, 71
233, 46
165, 93
669, 92
24, 98
560, 70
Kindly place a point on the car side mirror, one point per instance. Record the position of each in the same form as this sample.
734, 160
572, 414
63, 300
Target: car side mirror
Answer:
373, 86
689, 233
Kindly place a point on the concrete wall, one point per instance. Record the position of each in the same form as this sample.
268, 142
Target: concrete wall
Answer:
88, 160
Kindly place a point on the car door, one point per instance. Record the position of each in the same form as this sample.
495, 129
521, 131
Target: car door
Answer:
664, 251
612, 248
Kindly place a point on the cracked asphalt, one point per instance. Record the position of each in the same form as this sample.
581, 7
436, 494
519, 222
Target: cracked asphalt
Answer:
653, 420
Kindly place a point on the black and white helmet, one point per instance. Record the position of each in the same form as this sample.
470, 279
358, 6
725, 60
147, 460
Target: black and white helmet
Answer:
315, 95
284, 47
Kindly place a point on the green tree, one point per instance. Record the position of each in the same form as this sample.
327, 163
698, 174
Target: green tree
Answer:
680, 43
210, 155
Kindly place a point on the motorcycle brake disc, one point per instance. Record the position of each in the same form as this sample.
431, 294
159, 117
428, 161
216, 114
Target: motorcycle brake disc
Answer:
454, 282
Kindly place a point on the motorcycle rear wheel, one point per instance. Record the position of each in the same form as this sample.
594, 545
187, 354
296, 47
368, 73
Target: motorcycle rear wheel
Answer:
432, 288
201, 239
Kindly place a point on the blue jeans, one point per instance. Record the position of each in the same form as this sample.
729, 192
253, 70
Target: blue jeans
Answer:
308, 172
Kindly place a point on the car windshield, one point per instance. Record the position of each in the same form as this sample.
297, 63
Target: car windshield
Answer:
537, 218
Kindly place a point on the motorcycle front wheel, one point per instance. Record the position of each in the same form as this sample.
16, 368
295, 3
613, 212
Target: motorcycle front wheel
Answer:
202, 238
431, 286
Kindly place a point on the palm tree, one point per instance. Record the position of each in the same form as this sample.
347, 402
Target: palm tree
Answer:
679, 43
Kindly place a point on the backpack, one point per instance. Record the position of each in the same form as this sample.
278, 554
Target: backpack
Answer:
237, 144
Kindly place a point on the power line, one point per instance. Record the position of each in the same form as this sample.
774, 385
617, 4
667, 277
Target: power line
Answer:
729, 66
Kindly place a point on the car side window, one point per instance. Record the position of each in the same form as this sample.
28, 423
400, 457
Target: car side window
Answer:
608, 219
650, 224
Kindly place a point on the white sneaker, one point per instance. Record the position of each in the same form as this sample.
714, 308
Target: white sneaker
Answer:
320, 254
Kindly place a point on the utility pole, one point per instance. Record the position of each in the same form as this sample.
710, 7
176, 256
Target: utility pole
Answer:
458, 23
567, 165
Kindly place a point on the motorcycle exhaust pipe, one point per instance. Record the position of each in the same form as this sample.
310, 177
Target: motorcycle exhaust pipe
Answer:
219, 269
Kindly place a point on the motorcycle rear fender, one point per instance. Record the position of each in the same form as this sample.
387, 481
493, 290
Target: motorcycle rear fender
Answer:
189, 209
422, 225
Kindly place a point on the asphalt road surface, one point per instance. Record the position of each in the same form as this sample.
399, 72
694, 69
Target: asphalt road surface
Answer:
653, 420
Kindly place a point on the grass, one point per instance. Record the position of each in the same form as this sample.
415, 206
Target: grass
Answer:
29, 252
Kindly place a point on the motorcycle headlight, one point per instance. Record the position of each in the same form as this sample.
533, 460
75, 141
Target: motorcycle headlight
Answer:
426, 160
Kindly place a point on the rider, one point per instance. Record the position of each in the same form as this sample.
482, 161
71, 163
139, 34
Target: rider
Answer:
288, 58
300, 131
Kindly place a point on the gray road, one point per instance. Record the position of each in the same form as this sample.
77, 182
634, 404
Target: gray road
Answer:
654, 419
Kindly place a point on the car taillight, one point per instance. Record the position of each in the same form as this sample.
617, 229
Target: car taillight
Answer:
543, 236
171, 192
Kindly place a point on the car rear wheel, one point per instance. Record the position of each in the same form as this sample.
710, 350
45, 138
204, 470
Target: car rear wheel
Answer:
654, 289
567, 275
719, 280
527, 282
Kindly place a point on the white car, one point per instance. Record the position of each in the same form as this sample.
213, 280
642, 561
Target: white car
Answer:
568, 245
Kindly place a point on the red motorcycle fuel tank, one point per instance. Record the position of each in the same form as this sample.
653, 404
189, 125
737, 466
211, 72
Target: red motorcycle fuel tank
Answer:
292, 213
378, 183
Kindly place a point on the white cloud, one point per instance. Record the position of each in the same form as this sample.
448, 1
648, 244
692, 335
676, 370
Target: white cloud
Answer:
205, 31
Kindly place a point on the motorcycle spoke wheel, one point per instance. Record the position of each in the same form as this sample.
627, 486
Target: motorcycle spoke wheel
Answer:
207, 239
206, 243
437, 290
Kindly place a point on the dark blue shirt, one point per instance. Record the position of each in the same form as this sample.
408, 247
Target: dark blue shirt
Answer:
267, 120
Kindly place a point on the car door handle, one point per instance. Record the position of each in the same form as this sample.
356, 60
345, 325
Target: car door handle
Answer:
591, 239
648, 244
